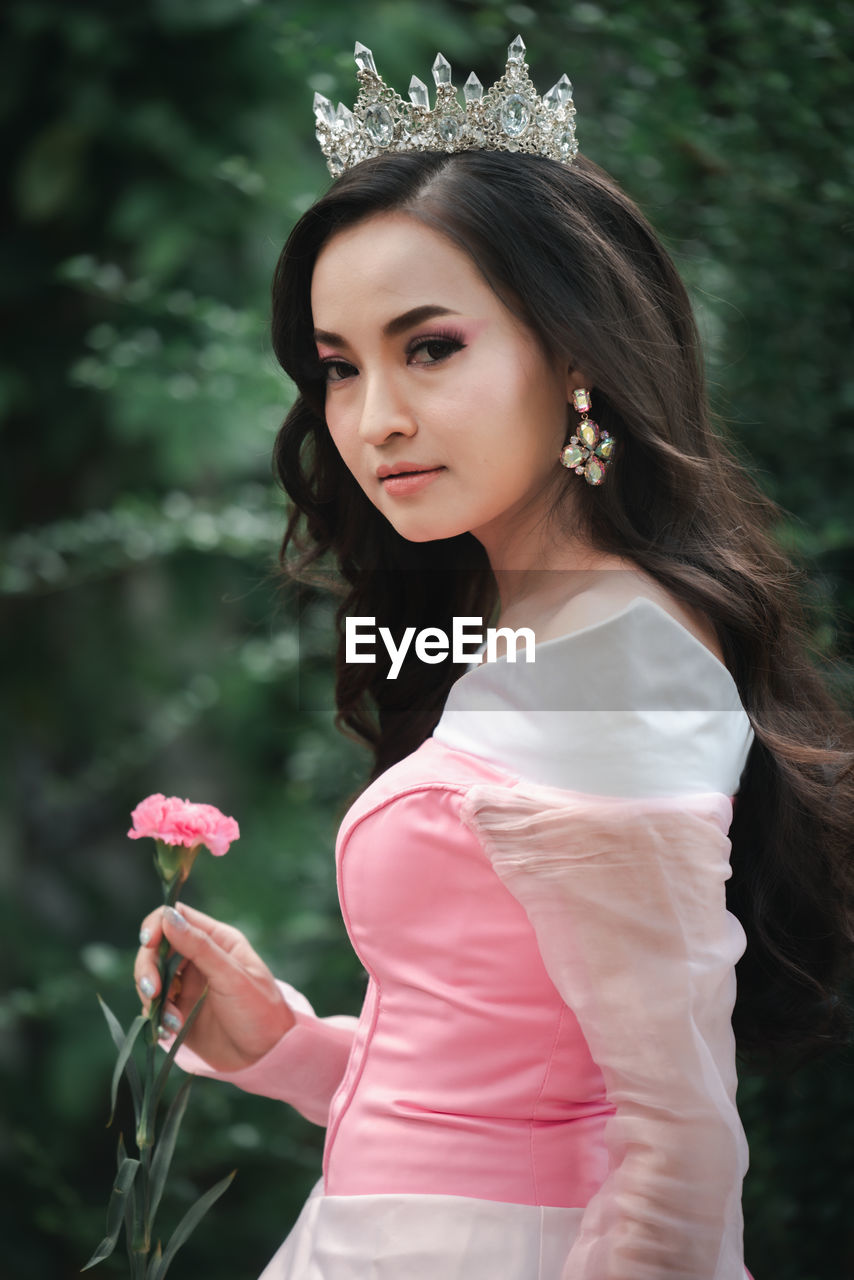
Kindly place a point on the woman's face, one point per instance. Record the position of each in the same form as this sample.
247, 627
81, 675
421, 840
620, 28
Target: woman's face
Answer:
441, 403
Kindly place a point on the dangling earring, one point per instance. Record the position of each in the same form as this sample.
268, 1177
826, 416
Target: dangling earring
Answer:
589, 452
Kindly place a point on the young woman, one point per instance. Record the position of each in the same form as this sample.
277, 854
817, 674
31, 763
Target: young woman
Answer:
501, 416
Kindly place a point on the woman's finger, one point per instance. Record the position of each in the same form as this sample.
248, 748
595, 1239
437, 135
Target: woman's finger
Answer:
199, 947
146, 970
171, 1020
224, 935
150, 929
146, 976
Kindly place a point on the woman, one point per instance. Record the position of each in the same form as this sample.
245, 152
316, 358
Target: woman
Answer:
542, 1080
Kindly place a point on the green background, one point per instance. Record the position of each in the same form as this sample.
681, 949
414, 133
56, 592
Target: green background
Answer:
156, 156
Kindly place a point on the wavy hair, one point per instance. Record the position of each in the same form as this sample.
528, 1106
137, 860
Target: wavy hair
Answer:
570, 254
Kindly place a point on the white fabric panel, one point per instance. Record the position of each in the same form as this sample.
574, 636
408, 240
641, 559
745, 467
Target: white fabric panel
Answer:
399, 1237
631, 706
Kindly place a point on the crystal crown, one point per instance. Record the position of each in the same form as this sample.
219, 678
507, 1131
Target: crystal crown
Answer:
510, 116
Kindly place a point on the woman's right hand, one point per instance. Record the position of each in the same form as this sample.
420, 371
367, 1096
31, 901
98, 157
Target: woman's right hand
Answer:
244, 1013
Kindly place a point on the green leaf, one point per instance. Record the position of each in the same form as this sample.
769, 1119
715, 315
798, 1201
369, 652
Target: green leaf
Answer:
165, 1148
188, 1224
131, 1205
132, 1071
121, 1157
115, 1211
125, 1050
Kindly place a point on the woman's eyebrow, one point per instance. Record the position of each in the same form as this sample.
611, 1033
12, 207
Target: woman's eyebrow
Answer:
417, 315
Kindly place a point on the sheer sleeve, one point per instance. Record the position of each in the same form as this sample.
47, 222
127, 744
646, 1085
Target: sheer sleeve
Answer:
627, 900
304, 1068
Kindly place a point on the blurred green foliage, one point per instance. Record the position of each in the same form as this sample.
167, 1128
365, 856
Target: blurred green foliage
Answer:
156, 155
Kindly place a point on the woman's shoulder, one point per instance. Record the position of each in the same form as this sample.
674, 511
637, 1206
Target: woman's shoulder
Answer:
608, 591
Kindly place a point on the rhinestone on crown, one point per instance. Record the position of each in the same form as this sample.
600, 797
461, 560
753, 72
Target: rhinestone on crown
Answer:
510, 116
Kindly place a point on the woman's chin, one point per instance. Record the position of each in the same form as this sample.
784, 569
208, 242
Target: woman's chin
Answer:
432, 531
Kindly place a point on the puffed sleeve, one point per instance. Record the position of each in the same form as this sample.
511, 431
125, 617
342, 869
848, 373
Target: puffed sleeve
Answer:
304, 1068
627, 900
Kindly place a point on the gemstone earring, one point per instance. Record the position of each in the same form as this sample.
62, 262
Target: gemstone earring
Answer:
589, 451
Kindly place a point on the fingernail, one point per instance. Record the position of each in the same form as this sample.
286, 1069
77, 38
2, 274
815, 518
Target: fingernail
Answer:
146, 986
172, 1021
144, 937
162, 1033
175, 918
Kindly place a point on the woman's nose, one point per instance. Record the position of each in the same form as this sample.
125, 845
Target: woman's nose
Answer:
385, 412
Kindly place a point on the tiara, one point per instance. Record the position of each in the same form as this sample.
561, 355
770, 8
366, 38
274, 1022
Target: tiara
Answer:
510, 116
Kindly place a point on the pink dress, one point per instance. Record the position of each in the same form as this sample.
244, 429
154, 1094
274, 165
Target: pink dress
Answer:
541, 1084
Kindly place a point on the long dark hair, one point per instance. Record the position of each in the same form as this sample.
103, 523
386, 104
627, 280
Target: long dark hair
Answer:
569, 253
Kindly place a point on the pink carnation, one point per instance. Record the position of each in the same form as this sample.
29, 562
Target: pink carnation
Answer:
177, 821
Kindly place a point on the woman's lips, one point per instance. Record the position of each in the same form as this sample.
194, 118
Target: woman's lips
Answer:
406, 482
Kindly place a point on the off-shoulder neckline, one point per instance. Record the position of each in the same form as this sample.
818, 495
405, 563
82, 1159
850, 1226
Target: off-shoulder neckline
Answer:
638, 601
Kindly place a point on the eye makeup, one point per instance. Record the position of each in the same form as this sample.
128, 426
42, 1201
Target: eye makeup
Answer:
461, 334
449, 339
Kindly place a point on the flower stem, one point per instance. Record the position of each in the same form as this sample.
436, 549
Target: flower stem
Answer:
147, 1124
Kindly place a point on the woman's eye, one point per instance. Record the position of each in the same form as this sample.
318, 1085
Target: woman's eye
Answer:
422, 352
427, 351
336, 370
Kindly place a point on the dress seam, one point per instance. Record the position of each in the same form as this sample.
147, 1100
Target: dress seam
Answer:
533, 1120
452, 788
350, 1083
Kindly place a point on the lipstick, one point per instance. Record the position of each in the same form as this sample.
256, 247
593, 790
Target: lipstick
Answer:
406, 478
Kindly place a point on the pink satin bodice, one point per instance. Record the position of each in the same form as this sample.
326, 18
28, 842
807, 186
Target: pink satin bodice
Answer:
469, 1075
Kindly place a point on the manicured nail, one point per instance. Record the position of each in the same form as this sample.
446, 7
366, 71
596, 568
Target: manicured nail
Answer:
146, 986
144, 937
172, 1021
175, 918
162, 1033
